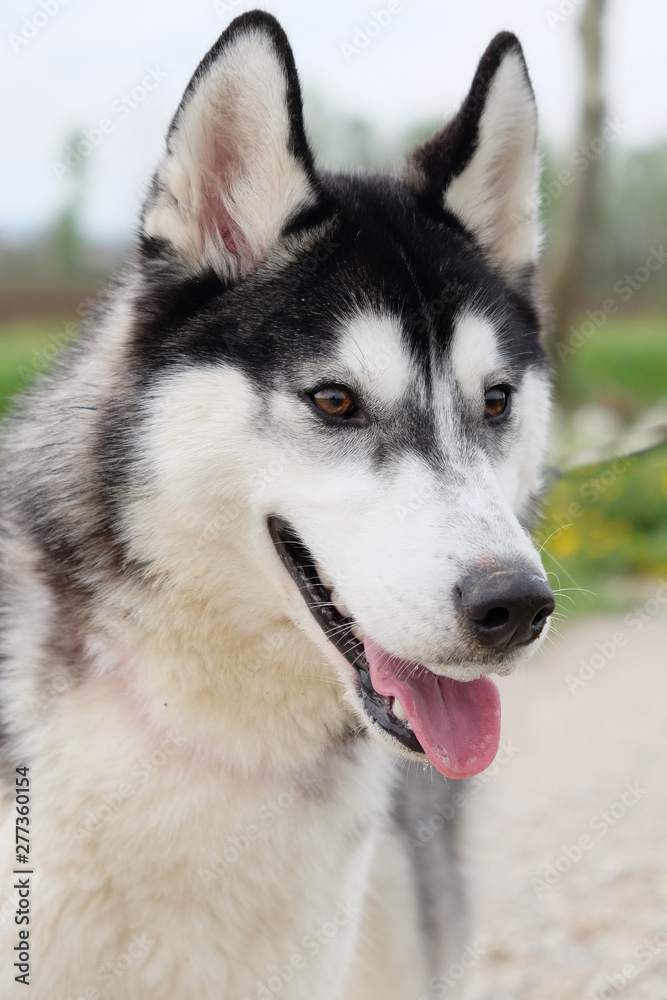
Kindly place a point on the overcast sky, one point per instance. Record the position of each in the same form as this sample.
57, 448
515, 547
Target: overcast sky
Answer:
82, 56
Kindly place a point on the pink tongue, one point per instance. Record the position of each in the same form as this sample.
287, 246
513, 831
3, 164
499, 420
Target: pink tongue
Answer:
456, 722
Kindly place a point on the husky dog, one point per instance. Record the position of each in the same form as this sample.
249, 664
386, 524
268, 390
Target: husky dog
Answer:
264, 539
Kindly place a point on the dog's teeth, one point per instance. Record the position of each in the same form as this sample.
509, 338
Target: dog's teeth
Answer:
356, 631
324, 579
341, 608
398, 710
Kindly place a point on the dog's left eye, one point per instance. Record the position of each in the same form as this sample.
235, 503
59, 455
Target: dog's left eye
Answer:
335, 401
496, 401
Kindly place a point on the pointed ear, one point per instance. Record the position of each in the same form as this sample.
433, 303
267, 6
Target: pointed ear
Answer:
484, 165
237, 166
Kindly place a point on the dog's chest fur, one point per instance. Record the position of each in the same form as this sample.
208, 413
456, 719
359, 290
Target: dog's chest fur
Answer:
227, 884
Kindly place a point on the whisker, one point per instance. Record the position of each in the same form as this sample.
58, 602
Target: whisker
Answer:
554, 532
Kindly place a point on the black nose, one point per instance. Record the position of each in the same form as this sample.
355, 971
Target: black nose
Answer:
505, 608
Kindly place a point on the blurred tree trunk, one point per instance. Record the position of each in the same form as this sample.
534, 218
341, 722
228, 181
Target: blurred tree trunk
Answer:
66, 240
575, 229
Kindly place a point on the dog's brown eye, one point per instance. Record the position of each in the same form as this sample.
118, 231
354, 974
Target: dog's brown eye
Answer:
335, 401
496, 401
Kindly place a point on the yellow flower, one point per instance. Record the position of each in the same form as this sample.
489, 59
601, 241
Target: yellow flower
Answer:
564, 543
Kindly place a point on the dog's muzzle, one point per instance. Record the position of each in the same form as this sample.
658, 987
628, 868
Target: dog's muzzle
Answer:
504, 608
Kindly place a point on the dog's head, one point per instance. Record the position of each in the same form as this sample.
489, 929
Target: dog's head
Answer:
355, 363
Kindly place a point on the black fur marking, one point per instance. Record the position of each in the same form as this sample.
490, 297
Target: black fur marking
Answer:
311, 217
46, 502
425, 802
155, 251
448, 153
383, 251
154, 247
379, 225
261, 22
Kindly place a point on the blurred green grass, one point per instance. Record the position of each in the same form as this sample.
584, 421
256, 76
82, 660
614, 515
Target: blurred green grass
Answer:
604, 529
622, 365
28, 347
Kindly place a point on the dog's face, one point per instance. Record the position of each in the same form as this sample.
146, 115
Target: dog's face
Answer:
364, 373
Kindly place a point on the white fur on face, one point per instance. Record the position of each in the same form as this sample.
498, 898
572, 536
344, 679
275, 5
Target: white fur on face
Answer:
229, 182
373, 354
396, 546
520, 472
395, 541
475, 356
476, 364
496, 195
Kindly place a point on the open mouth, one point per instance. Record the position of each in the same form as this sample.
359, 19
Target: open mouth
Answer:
340, 630
456, 724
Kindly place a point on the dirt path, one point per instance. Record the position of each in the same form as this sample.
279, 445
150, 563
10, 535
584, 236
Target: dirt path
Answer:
566, 844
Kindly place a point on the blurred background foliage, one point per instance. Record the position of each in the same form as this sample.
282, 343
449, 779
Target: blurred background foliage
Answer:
604, 527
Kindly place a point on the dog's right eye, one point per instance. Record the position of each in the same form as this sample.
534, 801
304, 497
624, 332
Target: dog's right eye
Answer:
335, 401
497, 402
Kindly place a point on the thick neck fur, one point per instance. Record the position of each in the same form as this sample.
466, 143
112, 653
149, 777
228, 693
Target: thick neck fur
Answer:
245, 684
219, 754
196, 632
